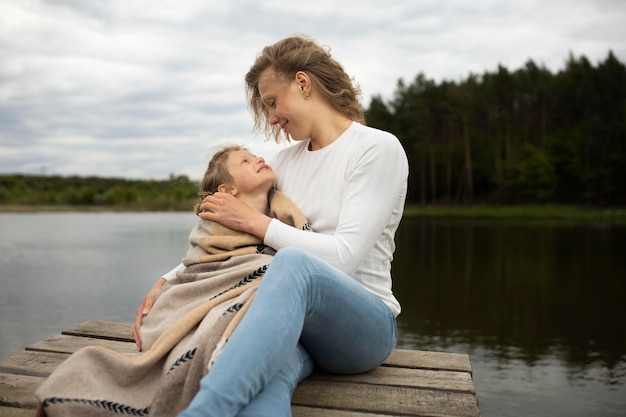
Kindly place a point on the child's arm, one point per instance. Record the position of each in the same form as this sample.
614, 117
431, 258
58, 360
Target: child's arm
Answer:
148, 302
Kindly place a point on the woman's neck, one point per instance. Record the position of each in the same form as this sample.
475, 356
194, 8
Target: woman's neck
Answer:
333, 126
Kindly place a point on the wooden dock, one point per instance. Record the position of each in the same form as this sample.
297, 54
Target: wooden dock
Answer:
409, 383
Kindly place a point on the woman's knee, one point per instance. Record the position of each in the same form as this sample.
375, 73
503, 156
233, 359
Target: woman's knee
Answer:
287, 274
292, 264
290, 255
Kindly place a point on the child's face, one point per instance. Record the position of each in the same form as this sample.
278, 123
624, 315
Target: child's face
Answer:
250, 173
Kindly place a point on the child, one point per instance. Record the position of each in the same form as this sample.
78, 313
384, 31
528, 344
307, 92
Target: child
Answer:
235, 170
193, 315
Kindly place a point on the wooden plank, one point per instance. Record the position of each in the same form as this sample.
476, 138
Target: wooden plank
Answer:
300, 411
399, 357
399, 377
16, 412
429, 360
70, 344
19, 390
384, 400
103, 330
32, 363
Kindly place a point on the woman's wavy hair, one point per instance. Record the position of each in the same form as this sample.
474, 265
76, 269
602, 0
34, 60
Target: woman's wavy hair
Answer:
301, 53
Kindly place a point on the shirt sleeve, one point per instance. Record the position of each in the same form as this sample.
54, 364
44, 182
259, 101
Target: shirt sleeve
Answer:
172, 274
375, 186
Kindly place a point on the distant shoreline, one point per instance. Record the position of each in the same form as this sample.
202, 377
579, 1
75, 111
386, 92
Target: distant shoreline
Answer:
617, 214
530, 211
15, 208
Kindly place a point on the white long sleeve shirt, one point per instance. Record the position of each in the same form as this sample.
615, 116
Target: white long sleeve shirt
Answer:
353, 193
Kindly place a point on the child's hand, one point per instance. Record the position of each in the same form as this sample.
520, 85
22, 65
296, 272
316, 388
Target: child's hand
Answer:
144, 309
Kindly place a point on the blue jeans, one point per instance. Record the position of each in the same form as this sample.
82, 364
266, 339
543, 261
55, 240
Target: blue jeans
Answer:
303, 309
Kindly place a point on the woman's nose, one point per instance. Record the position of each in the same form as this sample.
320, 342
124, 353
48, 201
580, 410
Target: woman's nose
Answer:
272, 117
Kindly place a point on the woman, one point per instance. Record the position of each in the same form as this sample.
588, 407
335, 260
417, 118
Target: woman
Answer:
326, 294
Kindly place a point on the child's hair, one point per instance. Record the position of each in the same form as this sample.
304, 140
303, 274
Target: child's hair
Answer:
217, 172
300, 53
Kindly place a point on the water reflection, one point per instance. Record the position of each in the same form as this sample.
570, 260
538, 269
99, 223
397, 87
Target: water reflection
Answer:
538, 306
529, 292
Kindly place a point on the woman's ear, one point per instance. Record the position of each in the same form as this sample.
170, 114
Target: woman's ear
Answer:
304, 82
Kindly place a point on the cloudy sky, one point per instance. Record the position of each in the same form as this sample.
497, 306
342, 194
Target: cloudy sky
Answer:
146, 88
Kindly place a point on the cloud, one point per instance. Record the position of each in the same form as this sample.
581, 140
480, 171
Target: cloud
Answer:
145, 89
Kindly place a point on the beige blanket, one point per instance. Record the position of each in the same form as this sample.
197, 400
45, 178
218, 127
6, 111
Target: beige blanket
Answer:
190, 322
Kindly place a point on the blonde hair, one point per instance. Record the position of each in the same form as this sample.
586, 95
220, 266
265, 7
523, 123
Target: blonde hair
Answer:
301, 53
217, 172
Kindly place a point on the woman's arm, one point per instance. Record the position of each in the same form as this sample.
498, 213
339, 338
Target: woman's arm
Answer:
231, 212
374, 192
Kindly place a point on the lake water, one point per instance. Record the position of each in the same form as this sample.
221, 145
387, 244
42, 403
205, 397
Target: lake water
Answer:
538, 305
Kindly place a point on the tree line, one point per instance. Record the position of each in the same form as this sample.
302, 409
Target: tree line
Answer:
527, 136
505, 137
174, 193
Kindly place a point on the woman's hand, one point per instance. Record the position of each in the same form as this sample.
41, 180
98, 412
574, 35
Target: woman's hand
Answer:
227, 210
144, 309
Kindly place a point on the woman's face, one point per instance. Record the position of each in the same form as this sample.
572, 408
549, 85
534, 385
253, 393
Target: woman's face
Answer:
285, 104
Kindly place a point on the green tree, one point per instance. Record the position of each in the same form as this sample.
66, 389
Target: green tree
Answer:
531, 178
486, 134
